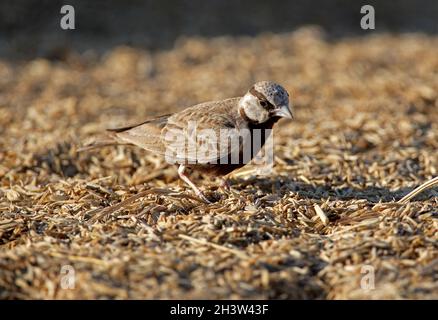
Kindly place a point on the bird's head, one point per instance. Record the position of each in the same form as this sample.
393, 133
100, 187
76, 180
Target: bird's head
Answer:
264, 101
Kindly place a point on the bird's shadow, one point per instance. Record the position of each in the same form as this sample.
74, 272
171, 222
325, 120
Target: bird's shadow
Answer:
283, 185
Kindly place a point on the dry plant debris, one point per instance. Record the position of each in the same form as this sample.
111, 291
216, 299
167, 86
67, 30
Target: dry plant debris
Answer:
365, 134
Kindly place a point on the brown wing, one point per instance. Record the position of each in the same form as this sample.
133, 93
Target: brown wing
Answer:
190, 136
202, 134
151, 121
146, 134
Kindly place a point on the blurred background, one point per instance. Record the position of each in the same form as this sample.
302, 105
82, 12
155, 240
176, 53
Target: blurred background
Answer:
31, 27
365, 134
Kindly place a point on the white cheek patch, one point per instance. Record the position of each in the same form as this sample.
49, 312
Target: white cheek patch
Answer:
257, 113
253, 110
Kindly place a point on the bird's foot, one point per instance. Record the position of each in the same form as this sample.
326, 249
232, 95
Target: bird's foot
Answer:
202, 196
183, 176
225, 184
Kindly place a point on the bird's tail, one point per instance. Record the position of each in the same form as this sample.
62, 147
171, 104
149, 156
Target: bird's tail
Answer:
100, 141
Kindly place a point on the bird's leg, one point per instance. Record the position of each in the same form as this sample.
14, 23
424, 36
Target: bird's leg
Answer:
186, 179
225, 183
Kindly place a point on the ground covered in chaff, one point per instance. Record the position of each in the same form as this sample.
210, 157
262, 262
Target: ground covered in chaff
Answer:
365, 134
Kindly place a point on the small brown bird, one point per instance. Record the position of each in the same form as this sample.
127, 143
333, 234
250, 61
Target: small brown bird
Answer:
215, 137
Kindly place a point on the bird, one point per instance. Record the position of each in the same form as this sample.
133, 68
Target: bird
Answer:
214, 137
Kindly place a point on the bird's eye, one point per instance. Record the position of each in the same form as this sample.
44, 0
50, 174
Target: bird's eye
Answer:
263, 103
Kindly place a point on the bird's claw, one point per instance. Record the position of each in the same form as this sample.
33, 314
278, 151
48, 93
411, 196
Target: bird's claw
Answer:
203, 197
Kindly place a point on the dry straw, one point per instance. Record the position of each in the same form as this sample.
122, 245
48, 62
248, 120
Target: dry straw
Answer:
427, 185
120, 217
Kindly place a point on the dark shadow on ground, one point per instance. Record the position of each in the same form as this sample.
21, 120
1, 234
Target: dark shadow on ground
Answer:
372, 194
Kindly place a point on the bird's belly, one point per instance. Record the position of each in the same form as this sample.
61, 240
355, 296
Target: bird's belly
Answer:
231, 162
216, 169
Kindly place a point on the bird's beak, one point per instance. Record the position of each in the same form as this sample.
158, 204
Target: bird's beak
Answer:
284, 112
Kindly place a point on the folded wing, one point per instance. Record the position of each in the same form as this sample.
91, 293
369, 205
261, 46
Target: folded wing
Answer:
205, 133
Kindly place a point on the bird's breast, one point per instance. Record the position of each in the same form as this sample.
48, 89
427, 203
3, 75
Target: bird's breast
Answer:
252, 139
